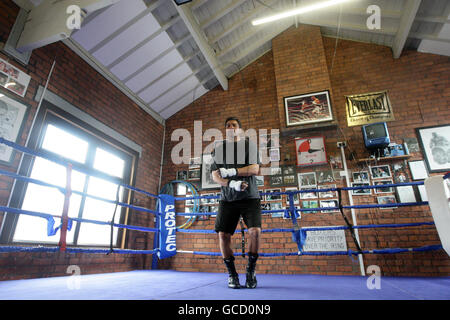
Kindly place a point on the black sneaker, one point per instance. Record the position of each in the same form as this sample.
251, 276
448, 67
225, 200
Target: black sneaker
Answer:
233, 282
250, 281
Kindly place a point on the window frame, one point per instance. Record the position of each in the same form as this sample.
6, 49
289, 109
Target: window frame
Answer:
51, 114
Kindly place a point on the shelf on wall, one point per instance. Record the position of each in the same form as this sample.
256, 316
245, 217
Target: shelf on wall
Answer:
407, 156
292, 131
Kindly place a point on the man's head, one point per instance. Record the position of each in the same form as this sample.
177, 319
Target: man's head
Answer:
233, 127
232, 123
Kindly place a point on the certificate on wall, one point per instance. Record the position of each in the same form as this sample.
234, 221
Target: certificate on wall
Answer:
310, 151
13, 79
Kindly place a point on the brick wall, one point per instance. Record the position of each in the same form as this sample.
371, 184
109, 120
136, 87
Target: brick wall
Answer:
75, 81
300, 62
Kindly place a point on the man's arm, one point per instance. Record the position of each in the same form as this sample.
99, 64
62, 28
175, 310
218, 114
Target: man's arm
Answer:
217, 178
251, 170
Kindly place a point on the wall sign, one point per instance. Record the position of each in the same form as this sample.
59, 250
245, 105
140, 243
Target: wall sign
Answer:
325, 240
368, 108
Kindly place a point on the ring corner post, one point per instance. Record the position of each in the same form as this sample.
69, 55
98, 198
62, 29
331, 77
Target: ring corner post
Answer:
167, 227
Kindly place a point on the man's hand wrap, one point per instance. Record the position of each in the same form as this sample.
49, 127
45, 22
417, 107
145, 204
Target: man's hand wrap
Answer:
234, 184
225, 173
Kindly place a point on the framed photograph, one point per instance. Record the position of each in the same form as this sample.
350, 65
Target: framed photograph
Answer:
206, 201
270, 197
380, 172
435, 145
332, 203
219, 195
190, 202
195, 163
275, 171
275, 181
308, 108
325, 176
265, 206
274, 154
361, 192
13, 79
328, 194
206, 177
13, 114
310, 151
422, 193
296, 201
182, 175
360, 176
307, 179
276, 206
308, 195
269, 140
290, 180
418, 170
387, 200
383, 190
405, 194
213, 209
288, 170
336, 161
259, 181
411, 144
194, 174
310, 204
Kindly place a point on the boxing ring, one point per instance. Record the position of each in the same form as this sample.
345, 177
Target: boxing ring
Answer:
175, 285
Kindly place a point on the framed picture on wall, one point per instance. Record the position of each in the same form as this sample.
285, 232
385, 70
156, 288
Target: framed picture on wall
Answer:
418, 170
405, 194
379, 172
13, 114
310, 151
308, 108
206, 177
435, 144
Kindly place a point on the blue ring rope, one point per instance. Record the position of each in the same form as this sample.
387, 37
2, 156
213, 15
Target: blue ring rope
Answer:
71, 250
369, 226
328, 253
48, 216
63, 190
63, 162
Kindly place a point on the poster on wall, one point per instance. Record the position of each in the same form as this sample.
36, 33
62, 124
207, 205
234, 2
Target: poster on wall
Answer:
13, 79
435, 143
368, 108
308, 108
310, 151
12, 117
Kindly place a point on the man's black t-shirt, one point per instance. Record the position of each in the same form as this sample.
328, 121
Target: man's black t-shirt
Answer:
237, 154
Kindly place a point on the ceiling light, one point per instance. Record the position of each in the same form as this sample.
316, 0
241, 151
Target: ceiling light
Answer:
298, 11
180, 2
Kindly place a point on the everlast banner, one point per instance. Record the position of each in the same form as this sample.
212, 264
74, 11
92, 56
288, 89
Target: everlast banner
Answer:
368, 108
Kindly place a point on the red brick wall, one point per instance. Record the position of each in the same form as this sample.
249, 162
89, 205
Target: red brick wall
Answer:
297, 56
75, 81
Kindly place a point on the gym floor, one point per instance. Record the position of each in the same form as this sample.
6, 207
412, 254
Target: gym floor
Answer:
175, 285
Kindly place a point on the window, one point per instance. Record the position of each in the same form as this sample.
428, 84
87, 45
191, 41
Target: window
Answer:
100, 165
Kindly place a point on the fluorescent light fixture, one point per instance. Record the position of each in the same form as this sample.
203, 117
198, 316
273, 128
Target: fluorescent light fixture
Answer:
180, 2
297, 11
10, 84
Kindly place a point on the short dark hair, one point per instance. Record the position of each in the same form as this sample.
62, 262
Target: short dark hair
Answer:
233, 118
